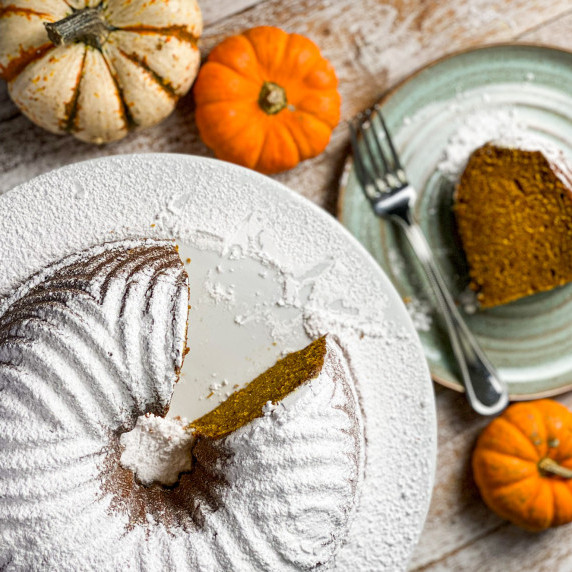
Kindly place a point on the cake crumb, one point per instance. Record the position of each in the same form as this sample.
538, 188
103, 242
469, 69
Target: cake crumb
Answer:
268, 407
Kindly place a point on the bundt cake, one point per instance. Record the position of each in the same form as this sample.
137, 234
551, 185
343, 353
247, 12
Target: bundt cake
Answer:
513, 209
90, 350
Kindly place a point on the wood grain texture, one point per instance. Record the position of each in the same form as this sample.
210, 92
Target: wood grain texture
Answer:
216, 10
372, 44
556, 33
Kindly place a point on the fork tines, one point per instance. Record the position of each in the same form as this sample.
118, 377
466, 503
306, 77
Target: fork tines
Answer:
377, 163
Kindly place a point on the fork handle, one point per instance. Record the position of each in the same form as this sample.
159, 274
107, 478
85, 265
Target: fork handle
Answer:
486, 393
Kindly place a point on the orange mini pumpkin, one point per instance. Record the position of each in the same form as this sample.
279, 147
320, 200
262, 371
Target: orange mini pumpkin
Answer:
522, 464
266, 100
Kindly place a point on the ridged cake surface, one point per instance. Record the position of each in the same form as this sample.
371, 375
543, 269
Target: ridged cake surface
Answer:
92, 343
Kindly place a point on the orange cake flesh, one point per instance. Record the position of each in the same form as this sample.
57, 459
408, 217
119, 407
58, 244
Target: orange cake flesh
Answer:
273, 385
514, 215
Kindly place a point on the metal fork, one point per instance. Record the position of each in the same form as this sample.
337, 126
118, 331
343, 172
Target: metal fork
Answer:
385, 184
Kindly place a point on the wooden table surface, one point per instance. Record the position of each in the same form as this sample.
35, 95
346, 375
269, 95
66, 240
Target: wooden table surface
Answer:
372, 45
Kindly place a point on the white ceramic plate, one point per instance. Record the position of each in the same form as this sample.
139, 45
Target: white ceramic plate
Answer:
268, 271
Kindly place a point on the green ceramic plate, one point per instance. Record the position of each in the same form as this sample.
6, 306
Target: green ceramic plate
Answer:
437, 117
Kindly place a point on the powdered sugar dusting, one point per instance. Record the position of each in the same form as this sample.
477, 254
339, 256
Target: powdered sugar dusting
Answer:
218, 292
299, 470
501, 127
421, 312
475, 130
269, 407
157, 450
109, 324
325, 283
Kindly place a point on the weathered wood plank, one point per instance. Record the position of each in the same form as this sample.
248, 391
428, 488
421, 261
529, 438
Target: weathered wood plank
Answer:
216, 10
557, 33
372, 44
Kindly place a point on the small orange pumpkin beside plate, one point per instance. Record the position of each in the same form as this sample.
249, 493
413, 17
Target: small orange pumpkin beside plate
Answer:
522, 464
266, 100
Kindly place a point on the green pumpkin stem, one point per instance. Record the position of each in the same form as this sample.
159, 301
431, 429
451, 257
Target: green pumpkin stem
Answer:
272, 98
551, 467
87, 26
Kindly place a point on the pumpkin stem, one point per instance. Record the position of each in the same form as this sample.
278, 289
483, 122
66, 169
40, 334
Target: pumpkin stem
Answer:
551, 467
272, 98
86, 26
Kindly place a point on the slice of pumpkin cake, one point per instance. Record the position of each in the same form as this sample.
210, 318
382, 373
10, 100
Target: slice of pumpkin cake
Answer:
263, 393
514, 214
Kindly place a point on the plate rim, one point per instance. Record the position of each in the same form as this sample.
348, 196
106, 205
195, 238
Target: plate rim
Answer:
391, 92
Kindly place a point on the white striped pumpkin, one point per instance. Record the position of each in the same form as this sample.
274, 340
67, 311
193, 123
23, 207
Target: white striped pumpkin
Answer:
98, 68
